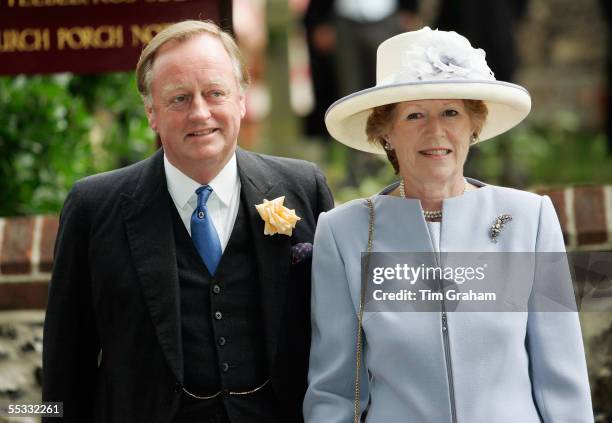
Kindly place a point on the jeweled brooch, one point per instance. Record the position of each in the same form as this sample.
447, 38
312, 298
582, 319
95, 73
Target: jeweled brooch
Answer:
498, 225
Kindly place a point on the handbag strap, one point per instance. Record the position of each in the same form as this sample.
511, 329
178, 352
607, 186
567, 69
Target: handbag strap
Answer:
364, 274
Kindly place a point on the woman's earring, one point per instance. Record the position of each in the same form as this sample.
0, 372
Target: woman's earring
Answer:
387, 146
473, 139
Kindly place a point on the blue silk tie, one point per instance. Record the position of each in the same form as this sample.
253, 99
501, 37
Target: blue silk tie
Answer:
203, 231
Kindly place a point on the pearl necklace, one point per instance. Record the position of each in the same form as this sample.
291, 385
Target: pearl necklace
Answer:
429, 214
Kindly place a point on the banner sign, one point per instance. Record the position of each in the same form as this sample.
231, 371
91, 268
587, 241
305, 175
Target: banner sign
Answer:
90, 36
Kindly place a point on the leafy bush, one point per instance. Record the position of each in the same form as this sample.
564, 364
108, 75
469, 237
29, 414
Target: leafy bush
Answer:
57, 129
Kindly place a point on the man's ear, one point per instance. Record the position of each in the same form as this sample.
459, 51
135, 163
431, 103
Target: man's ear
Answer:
151, 117
242, 104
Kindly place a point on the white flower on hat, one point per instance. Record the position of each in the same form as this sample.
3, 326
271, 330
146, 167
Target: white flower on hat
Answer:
442, 55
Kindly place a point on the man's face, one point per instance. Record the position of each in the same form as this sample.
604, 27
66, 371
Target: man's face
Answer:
196, 104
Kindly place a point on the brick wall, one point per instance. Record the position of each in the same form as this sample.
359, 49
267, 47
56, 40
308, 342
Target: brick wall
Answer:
26, 243
26, 258
26, 254
585, 214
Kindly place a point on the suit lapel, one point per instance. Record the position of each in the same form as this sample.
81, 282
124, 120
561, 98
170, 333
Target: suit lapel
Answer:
148, 222
272, 252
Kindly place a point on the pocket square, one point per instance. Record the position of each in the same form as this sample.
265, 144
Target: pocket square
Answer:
301, 252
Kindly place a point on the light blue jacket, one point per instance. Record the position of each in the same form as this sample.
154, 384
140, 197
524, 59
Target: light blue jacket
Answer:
499, 367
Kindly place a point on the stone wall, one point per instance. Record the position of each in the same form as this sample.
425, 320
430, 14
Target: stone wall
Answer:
20, 359
563, 45
26, 258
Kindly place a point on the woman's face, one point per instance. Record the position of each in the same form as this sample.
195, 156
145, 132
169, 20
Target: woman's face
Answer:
431, 139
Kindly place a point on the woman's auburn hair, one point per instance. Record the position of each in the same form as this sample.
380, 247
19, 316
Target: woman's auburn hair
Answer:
381, 118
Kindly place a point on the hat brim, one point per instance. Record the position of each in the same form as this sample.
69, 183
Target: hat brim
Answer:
508, 104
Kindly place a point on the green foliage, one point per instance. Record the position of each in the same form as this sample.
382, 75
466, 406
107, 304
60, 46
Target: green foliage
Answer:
558, 153
57, 129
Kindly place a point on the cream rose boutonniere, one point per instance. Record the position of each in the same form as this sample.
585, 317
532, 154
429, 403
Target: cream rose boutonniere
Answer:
278, 218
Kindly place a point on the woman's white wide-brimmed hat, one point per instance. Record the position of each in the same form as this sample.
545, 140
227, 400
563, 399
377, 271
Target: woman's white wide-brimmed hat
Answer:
428, 65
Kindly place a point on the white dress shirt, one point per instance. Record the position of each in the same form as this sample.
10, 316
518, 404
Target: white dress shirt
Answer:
222, 204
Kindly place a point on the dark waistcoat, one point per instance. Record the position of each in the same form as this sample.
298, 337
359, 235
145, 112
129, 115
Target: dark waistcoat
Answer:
222, 328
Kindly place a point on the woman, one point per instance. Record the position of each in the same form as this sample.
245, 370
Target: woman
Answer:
435, 96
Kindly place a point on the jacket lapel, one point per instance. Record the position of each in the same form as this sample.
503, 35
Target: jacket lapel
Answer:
272, 252
148, 223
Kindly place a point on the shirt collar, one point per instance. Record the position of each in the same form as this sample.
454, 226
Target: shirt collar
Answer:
182, 188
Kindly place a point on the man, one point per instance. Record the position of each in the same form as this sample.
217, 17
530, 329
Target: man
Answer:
168, 303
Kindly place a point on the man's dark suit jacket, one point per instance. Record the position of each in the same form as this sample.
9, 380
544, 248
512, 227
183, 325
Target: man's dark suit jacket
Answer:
112, 340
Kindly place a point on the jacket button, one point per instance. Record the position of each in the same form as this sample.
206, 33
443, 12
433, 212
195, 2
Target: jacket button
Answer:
216, 289
178, 387
218, 315
221, 341
225, 367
